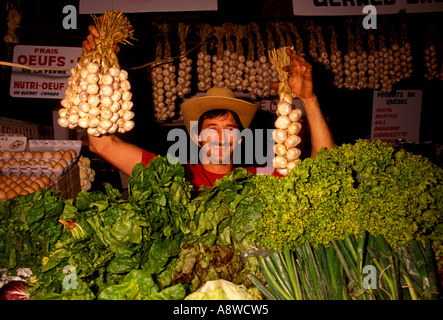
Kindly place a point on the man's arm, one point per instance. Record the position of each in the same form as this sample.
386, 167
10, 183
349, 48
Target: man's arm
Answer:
122, 155
300, 82
320, 134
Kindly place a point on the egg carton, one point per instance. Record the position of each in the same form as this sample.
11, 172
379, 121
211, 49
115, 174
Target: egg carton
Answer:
70, 162
12, 142
47, 145
37, 171
54, 145
35, 168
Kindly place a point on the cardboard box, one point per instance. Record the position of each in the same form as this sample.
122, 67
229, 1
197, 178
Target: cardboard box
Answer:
12, 142
69, 183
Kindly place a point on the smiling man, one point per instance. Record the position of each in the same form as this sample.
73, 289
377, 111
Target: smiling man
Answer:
220, 117
218, 136
215, 122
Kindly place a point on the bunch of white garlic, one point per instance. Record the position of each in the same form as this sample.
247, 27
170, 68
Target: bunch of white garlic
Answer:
431, 66
98, 97
263, 77
204, 71
287, 125
184, 74
204, 78
97, 101
164, 91
336, 60
286, 135
164, 84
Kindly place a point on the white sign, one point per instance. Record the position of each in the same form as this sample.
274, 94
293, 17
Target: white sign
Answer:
100, 6
42, 84
355, 7
396, 115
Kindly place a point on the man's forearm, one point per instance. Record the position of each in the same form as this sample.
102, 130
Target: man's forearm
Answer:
122, 155
320, 134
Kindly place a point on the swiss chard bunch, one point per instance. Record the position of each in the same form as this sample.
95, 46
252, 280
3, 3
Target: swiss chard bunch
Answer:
160, 192
222, 218
102, 239
28, 228
120, 249
226, 212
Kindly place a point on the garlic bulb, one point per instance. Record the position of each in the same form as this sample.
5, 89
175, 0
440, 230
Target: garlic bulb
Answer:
294, 127
295, 115
292, 141
291, 165
284, 108
282, 122
280, 162
280, 135
293, 154
280, 149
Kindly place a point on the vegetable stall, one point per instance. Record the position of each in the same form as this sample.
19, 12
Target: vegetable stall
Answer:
309, 235
361, 221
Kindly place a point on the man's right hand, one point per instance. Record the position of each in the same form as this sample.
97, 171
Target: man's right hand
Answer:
300, 75
89, 43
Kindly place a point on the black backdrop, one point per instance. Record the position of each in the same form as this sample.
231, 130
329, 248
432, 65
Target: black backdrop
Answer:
348, 112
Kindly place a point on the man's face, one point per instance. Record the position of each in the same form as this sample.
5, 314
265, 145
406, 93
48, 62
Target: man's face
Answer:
218, 137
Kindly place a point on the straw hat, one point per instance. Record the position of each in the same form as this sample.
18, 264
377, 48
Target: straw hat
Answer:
217, 98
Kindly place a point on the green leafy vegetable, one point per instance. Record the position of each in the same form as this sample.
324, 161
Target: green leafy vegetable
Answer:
351, 188
164, 241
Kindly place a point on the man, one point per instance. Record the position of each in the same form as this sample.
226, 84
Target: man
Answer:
218, 114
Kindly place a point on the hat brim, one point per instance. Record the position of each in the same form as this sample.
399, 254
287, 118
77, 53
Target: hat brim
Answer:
192, 109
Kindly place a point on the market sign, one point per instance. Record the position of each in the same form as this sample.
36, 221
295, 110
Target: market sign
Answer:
100, 6
355, 7
396, 115
49, 73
